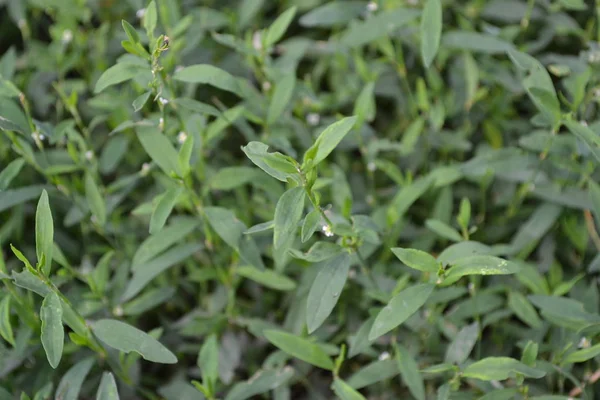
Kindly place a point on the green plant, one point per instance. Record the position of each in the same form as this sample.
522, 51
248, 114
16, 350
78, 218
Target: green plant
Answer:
299, 199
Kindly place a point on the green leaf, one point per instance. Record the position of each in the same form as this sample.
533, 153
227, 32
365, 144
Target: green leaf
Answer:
360, 342
208, 361
523, 309
501, 394
27, 280
443, 229
417, 259
44, 233
197, 106
288, 214
95, 199
585, 134
443, 392
310, 225
226, 224
10, 172
374, 372
53, 333
410, 372
6, 330
141, 100
267, 277
150, 19
232, 177
119, 73
261, 382
594, 190
185, 155
565, 312
132, 34
400, 308
461, 346
108, 387
582, 355
431, 30
329, 139
284, 89
148, 300
364, 107
345, 391
210, 75
300, 348
127, 338
480, 265
320, 251
383, 24
326, 290
333, 13
8, 125
406, 196
224, 120
257, 153
70, 384
10, 198
146, 272
171, 234
546, 101
262, 227
159, 148
476, 42
163, 209
279, 26
500, 368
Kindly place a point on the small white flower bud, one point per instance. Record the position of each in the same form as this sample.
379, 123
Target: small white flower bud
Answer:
326, 229
313, 119
257, 41
67, 36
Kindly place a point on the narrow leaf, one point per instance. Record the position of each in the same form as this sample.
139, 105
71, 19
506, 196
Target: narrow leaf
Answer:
210, 75
53, 333
281, 97
300, 348
44, 233
279, 26
267, 277
416, 259
326, 290
127, 338
329, 139
345, 391
108, 388
159, 148
288, 213
410, 372
431, 30
582, 355
400, 308
71, 382
458, 351
163, 209
6, 330
95, 199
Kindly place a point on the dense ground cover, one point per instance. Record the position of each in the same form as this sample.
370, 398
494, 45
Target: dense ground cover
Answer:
299, 199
